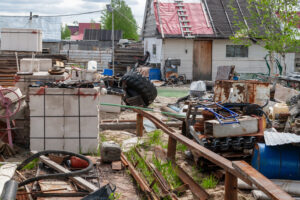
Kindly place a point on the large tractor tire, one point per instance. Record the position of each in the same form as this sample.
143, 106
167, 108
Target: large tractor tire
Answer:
136, 84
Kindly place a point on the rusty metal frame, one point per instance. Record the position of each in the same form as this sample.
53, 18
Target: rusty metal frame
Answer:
232, 173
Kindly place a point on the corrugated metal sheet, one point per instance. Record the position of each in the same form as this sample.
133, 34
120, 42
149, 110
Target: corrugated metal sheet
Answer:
275, 138
50, 26
101, 35
166, 16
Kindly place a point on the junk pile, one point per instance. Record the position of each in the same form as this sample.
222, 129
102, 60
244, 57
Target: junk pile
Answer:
59, 175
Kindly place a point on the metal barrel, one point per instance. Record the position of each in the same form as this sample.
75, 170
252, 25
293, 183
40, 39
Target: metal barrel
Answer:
277, 162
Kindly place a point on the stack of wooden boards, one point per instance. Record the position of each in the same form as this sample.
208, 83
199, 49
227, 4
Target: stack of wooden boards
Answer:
127, 57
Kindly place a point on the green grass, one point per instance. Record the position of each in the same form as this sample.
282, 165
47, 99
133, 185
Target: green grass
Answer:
133, 157
102, 137
168, 172
155, 138
209, 182
31, 165
171, 92
181, 147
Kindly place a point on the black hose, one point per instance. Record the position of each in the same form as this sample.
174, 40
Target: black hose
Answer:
58, 175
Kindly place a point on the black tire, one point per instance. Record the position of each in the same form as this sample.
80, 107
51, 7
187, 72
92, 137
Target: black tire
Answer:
141, 85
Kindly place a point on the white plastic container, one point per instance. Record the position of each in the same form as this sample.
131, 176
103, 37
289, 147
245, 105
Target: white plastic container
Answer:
92, 66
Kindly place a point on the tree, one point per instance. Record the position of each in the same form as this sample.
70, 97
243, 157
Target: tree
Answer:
272, 24
123, 20
65, 33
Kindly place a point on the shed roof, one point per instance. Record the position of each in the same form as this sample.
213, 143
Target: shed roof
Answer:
50, 26
208, 18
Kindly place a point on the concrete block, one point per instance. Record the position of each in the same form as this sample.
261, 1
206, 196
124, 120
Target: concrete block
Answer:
36, 144
113, 99
29, 65
54, 102
71, 145
36, 127
89, 126
71, 107
110, 151
54, 144
45, 64
54, 127
89, 145
36, 105
89, 101
71, 127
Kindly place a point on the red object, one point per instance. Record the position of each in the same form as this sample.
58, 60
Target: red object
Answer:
78, 163
82, 27
166, 11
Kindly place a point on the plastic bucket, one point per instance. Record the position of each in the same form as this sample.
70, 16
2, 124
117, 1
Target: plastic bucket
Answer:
154, 74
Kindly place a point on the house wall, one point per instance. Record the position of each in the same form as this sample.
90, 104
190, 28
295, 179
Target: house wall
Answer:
254, 63
176, 48
148, 46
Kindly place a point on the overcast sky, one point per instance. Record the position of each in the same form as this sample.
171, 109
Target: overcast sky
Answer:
56, 7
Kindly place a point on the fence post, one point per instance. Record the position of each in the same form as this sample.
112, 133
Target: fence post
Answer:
230, 187
139, 125
171, 153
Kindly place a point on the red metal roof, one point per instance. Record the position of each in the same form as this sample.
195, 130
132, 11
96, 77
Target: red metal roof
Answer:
82, 27
167, 17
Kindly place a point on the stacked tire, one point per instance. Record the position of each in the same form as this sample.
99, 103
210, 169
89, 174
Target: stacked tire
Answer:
137, 85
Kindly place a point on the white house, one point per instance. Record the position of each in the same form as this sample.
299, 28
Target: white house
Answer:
197, 32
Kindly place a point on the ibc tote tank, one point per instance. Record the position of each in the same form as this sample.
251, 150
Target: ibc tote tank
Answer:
277, 162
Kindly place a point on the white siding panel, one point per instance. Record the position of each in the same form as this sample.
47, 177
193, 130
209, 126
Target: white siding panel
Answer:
148, 44
254, 63
176, 48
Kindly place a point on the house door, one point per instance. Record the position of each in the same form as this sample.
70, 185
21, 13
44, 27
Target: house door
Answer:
202, 60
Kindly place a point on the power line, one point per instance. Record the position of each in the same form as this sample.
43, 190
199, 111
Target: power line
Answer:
132, 22
65, 15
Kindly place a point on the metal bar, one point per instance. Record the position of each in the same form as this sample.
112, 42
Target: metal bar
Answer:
261, 182
231, 192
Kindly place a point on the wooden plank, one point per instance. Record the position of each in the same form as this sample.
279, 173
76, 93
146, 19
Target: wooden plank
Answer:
202, 60
172, 143
139, 125
80, 181
117, 165
261, 182
196, 189
230, 187
136, 175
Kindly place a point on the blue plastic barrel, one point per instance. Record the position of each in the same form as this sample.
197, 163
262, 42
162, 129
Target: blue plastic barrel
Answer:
277, 162
154, 74
107, 72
